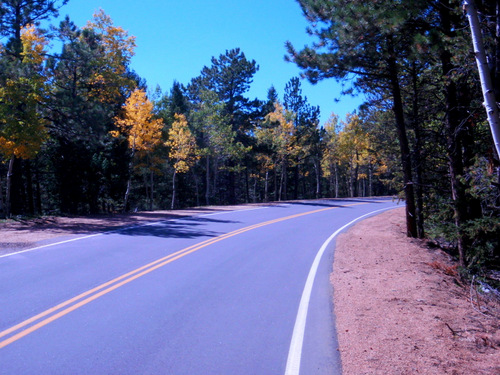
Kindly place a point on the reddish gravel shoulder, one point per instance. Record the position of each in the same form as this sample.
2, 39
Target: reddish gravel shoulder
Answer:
397, 312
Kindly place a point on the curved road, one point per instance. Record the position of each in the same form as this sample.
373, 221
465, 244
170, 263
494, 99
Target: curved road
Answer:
237, 292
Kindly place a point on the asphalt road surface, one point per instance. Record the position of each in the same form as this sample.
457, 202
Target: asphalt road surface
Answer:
236, 292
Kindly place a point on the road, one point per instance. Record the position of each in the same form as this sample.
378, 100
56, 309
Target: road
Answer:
235, 292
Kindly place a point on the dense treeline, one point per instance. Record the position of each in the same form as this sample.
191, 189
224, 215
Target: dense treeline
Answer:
80, 133
415, 60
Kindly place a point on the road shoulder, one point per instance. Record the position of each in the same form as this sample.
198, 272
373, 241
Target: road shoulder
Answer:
398, 312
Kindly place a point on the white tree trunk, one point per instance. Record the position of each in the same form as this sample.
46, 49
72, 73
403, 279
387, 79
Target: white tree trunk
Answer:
484, 73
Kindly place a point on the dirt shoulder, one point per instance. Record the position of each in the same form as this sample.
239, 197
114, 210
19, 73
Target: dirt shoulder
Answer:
400, 310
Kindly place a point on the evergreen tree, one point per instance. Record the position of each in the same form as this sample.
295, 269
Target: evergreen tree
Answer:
369, 40
15, 14
22, 126
230, 77
306, 121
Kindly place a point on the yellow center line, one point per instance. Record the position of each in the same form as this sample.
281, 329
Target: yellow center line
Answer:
124, 279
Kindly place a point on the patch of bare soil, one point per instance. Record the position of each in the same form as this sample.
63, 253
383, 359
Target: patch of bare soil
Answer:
401, 310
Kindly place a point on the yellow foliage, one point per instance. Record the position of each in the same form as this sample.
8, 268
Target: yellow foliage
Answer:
22, 129
137, 123
282, 137
353, 142
118, 48
182, 144
34, 44
118, 45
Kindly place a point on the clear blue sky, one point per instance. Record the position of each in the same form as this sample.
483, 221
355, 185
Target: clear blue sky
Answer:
176, 39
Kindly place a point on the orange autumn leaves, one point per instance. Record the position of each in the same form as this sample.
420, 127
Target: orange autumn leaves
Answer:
144, 132
137, 124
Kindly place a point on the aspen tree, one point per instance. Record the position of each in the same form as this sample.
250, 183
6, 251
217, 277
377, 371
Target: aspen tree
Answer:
183, 149
142, 131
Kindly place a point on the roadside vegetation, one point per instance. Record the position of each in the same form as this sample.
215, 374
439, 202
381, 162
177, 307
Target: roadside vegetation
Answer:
81, 133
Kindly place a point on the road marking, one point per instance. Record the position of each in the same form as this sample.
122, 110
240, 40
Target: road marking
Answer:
82, 299
297, 341
122, 229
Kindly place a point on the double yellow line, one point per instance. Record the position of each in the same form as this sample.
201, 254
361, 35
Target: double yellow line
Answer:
64, 308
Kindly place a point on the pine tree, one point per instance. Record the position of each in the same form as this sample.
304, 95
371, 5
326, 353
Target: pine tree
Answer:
369, 40
230, 76
22, 126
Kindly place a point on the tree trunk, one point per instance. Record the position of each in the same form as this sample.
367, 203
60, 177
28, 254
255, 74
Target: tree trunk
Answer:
207, 180
370, 179
29, 187
317, 169
9, 187
296, 181
350, 181
196, 185
411, 225
418, 156
3, 214
146, 188
453, 135
266, 187
38, 192
127, 193
275, 197
247, 186
151, 183
172, 206
336, 181
484, 74
356, 173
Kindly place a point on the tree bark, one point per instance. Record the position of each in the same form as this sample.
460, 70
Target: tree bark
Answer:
3, 213
207, 180
266, 187
336, 181
172, 206
453, 134
151, 182
411, 225
484, 74
29, 187
418, 156
9, 187
317, 169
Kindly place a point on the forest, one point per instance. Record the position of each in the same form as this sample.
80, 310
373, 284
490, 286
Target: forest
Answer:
81, 133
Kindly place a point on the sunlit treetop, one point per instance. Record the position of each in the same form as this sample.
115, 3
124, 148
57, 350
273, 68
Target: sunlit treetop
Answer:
182, 144
34, 44
137, 123
118, 45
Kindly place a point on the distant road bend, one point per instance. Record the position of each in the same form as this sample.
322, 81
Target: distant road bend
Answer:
235, 292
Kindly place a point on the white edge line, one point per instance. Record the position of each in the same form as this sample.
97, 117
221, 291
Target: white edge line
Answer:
295, 351
118, 230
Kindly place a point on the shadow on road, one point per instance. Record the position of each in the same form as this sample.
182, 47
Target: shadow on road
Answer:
189, 227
